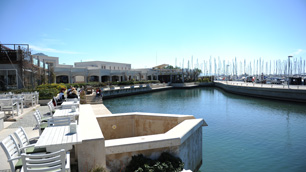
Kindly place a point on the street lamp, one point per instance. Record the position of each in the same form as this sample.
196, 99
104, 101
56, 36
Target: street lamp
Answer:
288, 69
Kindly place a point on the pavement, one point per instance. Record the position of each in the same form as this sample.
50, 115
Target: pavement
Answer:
28, 122
25, 120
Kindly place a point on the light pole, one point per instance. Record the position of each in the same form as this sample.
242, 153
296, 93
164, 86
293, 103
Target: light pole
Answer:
288, 69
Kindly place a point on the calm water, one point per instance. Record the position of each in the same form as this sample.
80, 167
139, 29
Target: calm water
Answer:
243, 133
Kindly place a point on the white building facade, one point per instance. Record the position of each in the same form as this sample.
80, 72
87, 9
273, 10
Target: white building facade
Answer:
102, 71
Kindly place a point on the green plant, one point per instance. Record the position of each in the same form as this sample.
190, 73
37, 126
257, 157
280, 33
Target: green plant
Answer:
125, 83
165, 163
97, 169
47, 93
205, 79
50, 86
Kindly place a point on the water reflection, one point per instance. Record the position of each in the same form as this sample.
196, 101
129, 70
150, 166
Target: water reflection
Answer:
243, 133
293, 107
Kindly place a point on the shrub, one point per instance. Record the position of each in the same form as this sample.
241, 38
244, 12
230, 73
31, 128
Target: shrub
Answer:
205, 79
96, 84
154, 81
126, 83
47, 93
50, 86
98, 169
165, 163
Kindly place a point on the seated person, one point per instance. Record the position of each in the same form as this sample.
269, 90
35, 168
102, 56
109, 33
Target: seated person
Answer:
69, 89
61, 97
98, 92
73, 94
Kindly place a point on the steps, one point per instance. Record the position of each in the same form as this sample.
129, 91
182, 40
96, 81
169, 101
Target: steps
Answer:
93, 99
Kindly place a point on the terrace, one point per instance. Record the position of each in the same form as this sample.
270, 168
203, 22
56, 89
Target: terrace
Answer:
110, 140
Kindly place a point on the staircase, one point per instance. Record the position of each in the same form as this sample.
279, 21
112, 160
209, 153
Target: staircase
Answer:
93, 99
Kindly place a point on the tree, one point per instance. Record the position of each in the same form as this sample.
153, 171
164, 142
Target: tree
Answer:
197, 72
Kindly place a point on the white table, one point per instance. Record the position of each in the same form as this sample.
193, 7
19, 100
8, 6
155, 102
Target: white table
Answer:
67, 113
68, 105
56, 138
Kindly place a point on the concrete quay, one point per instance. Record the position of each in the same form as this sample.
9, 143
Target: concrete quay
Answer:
132, 90
295, 93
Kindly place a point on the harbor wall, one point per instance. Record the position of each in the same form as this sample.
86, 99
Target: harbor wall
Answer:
113, 93
271, 93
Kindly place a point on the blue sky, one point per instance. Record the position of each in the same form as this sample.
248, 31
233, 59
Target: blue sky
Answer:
137, 32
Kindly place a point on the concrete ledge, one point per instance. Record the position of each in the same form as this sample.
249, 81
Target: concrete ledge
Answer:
174, 137
89, 126
186, 129
151, 134
271, 93
131, 91
91, 152
140, 143
146, 114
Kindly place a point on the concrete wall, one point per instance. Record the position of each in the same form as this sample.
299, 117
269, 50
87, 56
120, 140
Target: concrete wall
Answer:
184, 141
190, 151
136, 124
124, 91
115, 127
273, 93
91, 152
133, 90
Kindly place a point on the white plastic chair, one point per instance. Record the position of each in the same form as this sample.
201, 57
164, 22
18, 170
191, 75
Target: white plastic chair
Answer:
43, 119
24, 142
29, 99
55, 161
12, 151
51, 107
41, 125
9, 106
56, 106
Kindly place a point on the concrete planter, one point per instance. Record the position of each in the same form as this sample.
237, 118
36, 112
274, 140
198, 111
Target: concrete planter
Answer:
44, 102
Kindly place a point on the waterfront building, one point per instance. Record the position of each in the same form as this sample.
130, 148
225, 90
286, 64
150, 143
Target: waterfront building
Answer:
102, 71
18, 69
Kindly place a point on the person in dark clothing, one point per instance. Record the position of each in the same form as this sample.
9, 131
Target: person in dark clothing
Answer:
61, 97
73, 94
98, 92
